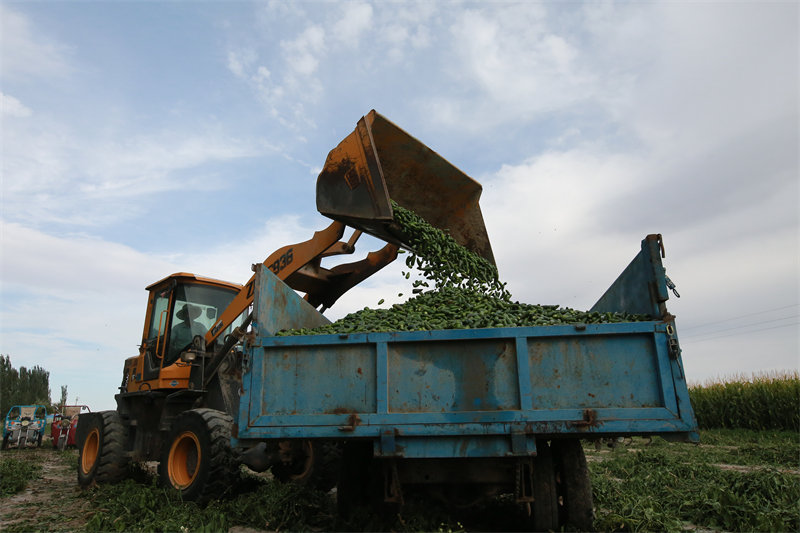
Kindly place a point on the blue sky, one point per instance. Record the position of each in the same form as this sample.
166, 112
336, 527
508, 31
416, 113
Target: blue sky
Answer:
145, 138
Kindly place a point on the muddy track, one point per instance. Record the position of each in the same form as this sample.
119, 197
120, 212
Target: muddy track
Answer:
53, 501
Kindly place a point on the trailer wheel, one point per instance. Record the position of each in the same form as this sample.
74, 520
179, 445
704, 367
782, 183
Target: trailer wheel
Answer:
310, 463
355, 482
197, 459
101, 457
573, 484
545, 506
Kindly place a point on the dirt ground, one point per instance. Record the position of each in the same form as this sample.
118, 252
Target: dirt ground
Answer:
51, 503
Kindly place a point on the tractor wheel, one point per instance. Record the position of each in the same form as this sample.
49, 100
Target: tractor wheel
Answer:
39, 440
5, 441
23, 442
573, 484
101, 457
197, 459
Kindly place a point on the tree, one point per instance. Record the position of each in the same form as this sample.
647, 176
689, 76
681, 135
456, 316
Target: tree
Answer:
23, 386
63, 396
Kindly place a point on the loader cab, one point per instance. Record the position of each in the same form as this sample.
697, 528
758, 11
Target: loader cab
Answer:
180, 307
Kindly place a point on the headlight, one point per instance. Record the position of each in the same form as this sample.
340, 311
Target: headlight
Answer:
25, 422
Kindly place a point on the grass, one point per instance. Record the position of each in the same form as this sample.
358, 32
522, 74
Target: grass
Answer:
673, 487
736, 480
15, 472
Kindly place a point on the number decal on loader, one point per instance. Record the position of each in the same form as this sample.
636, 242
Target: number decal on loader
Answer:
282, 262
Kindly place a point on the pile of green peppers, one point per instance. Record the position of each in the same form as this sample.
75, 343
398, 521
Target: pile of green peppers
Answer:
466, 293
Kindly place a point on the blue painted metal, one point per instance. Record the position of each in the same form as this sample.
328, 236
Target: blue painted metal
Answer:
276, 306
477, 392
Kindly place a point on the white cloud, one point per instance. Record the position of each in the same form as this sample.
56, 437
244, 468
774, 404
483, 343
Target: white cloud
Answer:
355, 20
86, 180
13, 107
239, 62
302, 52
28, 53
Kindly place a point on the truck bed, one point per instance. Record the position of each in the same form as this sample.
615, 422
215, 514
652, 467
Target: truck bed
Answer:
473, 392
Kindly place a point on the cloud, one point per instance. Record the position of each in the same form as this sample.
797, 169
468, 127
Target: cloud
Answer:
28, 53
302, 52
355, 20
12, 107
77, 178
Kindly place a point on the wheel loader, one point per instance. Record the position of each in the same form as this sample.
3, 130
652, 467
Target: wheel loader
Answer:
462, 413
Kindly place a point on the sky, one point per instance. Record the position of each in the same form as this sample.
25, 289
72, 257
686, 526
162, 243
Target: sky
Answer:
145, 138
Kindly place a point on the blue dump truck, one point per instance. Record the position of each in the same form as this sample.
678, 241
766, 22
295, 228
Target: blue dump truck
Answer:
471, 412
459, 415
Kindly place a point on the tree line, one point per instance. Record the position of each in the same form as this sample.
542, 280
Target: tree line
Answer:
23, 386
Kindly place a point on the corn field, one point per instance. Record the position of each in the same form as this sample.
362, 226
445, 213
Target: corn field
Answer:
765, 401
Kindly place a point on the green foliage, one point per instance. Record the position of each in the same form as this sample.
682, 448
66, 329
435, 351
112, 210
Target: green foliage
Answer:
657, 487
764, 401
132, 506
23, 386
667, 489
15, 474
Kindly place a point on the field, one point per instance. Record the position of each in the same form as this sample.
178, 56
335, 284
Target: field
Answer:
735, 480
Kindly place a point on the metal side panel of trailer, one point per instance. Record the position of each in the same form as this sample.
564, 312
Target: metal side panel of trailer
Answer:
475, 392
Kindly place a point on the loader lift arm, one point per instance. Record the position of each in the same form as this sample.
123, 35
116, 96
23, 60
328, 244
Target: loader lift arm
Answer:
299, 266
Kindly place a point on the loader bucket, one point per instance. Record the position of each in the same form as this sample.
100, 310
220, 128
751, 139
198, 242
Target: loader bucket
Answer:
380, 162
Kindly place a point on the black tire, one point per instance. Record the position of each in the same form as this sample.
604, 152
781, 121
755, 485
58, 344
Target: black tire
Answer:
315, 464
39, 440
197, 459
22, 442
5, 441
573, 484
545, 505
301, 469
101, 456
355, 482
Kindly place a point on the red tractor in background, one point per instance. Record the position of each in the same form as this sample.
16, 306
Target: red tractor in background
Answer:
64, 424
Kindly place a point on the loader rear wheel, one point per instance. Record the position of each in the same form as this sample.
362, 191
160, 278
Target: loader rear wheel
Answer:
197, 459
101, 456
573, 484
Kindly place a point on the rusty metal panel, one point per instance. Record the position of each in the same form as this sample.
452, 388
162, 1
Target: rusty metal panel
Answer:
315, 380
453, 376
641, 287
276, 306
379, 162
594, 372
475, 392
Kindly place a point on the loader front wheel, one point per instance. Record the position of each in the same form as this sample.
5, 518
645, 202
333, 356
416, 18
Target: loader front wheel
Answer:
101, 455
197, 459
